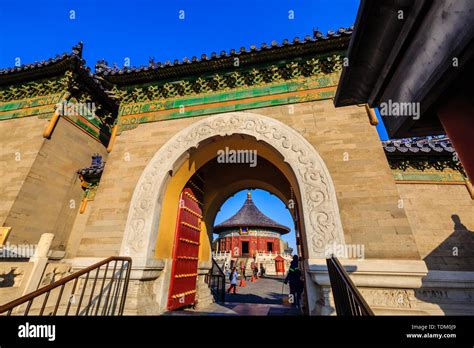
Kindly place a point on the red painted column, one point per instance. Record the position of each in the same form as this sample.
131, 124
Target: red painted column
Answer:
232, 246
457, 117
238, 245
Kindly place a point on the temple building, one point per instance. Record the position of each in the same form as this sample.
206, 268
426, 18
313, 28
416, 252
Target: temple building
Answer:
250, 231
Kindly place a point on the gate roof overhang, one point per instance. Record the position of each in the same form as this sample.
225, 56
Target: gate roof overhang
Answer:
408, 59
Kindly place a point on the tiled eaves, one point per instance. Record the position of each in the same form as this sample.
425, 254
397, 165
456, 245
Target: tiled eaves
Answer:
440, 145
105, 77
333, 41
57, 66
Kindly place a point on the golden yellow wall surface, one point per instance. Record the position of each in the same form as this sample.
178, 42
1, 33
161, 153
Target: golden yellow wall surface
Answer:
100, 230
442, 219
45, 192
367, 196
21, 141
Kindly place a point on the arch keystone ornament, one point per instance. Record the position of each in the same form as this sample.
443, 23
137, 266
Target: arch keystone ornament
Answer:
322, 224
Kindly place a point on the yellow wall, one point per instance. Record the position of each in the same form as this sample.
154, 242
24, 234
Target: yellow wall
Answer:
41, 192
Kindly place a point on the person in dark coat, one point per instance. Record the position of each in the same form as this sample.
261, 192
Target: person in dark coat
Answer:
295, 279
255, 271
262, 271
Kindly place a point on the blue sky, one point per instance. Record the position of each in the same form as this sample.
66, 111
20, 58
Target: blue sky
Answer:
33, 30
135, 30
268, 204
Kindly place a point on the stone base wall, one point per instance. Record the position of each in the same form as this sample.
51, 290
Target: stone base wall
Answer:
14, 277
148, 291
204, 296
395, 287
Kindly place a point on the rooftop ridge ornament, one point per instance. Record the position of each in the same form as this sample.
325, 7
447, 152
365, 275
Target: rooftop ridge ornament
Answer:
101, 66
77, 49
317, 34
90, 178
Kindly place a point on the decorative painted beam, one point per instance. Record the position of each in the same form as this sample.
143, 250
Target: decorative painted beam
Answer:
150, 114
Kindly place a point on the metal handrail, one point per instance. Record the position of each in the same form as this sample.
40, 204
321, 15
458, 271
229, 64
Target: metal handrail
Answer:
216, 281
108, 308
348, 300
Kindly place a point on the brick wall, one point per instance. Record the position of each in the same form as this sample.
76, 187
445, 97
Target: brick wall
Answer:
49, 194
21, 141
101, 233
442, 219
367, 196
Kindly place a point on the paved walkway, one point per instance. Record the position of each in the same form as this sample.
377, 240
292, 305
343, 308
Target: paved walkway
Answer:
263, 297
268, 290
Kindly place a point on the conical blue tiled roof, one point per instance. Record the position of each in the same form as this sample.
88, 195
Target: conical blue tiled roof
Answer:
250, 216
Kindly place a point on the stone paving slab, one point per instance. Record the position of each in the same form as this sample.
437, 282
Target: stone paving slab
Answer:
262, 298
264, 290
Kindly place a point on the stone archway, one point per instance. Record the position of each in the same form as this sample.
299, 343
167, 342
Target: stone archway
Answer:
319, 205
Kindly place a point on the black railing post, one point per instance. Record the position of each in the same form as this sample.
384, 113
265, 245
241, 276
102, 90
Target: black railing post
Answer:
61, 284
348, 300
215, 279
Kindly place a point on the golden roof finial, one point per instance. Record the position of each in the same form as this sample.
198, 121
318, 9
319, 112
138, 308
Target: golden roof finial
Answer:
249, 196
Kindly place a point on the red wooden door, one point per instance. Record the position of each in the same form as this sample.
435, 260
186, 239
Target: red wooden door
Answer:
279, 265
184, 268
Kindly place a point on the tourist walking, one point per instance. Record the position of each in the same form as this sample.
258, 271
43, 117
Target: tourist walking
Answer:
262, 271
233, 280
295, 279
